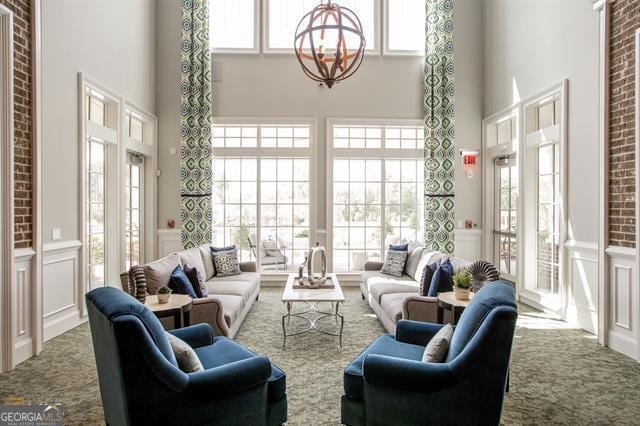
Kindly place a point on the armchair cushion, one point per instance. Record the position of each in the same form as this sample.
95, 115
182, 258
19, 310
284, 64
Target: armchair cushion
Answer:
224, 351
195, 335
185, 355
383, 345
407, 374
436, 350
415, 332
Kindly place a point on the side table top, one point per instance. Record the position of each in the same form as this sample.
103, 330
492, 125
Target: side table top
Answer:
176, 301
291, 294
448, 298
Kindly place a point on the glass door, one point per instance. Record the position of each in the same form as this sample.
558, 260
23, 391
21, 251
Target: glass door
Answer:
506, 218
134, 200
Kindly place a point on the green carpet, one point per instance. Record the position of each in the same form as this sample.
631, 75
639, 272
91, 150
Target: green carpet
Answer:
559, 375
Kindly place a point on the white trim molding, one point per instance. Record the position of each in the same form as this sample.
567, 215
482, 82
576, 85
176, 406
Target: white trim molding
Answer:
6, 191
169, 241
468, 244
637, 221
582, 283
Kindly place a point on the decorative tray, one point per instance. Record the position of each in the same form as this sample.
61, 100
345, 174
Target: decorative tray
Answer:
304, 284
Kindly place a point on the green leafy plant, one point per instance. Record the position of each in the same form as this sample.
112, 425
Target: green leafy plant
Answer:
462, 279
164, 290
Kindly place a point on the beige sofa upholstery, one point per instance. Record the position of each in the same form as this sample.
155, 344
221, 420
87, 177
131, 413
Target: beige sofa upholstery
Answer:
230, 298
393, 299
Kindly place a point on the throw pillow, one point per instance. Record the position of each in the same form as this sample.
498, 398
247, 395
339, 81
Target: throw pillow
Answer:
442, 279
194, 258
394, 263
138, 283
438, 346
427, 276
226, 263
399, 247
187, 359
180, 284
197, 281
219, 249
158, 273
207, 260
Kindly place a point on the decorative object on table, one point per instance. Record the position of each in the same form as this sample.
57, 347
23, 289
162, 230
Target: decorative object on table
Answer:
137, 283
437, 348
394, 263
462, 284
226, 263
164, 294
324, 43
312, 279
482, 272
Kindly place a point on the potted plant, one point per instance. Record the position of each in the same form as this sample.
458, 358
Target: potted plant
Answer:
164, 293
462, 284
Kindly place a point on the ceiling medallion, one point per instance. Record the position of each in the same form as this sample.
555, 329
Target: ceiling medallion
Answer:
329, 43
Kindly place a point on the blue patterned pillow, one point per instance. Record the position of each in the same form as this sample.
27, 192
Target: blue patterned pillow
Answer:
226, 263
394, 263
399, 247
180, 284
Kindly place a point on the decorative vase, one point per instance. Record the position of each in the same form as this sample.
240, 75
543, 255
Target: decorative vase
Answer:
461, 293
314, 278
164, 297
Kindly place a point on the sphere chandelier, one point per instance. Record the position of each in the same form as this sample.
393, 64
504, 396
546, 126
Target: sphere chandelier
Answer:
329, 43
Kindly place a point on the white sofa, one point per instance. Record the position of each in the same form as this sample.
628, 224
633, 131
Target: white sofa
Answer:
393, 299
230, 298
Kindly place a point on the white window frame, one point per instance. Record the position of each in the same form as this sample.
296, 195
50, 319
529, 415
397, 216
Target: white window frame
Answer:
376, 51
257, 152
256, 36
360, 153
386, 51
147, 148
110, 135
533, 137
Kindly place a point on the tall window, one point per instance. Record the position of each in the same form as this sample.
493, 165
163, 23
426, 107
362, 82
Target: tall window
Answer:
548, 229
96, 206
134, 201
376, 174
506, 215
261, 192
404, 30
233, 25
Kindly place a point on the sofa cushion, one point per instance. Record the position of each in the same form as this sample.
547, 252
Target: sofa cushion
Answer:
158, 273
232, 305
442, 279
197, 280
226, 263
392, 304
427, 276
492, 295
224, 351
373, 278
383, 345
180, 283
251, 277
428, 257
194, 258
207, 261
413, 259
238, 288
377, 290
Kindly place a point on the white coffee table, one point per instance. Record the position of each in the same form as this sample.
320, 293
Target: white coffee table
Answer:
311, 297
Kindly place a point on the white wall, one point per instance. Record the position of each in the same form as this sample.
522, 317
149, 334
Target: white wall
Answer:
275, 86
112, 42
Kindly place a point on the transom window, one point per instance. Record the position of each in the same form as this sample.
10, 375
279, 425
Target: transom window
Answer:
405, 26
376, 178
262, 192
233, 25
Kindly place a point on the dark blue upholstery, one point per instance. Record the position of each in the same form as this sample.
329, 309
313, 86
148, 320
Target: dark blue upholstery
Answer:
389, 384
140, 382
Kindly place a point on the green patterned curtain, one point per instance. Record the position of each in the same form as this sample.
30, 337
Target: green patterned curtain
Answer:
195, 125
439, 123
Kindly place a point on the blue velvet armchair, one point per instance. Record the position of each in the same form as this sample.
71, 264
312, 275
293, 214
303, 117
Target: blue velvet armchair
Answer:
389, 384
141, 383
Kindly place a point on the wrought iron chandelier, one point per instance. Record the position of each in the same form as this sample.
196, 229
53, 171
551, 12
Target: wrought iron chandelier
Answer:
329, 43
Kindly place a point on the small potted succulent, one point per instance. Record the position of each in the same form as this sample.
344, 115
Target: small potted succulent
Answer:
164, 293
462, 284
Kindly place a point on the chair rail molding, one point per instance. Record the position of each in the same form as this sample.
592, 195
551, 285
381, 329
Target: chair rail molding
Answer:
23, 312
7, 338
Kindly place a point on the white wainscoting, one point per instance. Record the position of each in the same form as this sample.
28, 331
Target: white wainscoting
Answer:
468, 244
62, 289
624, 311
169, 241
582, 276
23, 303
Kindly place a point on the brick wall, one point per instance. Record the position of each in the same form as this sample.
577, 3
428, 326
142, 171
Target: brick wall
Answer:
22, 119
625, 19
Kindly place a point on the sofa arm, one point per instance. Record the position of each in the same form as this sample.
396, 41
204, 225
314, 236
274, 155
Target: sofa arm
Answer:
231, 378
373, 266
420, 308
407, 375
416, 333
248, 266
210, 310
196, 336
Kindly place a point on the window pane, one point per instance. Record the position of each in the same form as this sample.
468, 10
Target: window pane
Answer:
231, 24
406, 24
284, 16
